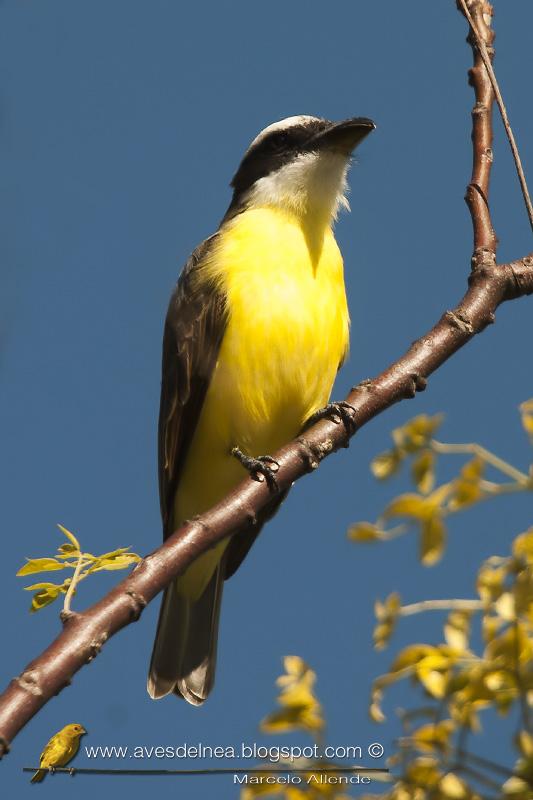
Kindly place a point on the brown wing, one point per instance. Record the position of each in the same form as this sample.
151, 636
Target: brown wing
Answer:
194, 327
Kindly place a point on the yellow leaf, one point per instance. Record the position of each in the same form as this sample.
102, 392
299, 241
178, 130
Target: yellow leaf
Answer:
505, 606
526, 409
496, 680
70, 536
35, 586
412, 655
430, 672
409, 505
364, 532
375, 712
466, 488
456, 630
513, 642
523, 546
525, 743
387, 616
516, 787
490, 582
294, 666
473, 470
423, 471
465, 494
40, 565
66, 550
423, 772
46, 595
115, 562
297, 696
301, 709
434, 682
433, 736
416, 433
432, 540
389, 607
490, 626
453, 787
386, 464
291, 719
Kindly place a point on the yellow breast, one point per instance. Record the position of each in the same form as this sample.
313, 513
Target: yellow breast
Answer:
288, 323
286, 335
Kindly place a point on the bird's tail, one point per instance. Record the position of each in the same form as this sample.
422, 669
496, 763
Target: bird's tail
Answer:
184, 655
38, 776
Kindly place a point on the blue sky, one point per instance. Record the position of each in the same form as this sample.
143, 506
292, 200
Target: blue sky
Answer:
121, 124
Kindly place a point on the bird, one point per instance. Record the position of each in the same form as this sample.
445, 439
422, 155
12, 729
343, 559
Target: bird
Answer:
61, 749
256, 330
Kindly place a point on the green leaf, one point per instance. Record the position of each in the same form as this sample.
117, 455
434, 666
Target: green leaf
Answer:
40, 565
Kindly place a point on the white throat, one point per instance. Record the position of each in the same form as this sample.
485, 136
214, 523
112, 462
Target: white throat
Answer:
312, 185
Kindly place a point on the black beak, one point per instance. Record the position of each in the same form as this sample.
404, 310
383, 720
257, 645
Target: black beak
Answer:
342, 136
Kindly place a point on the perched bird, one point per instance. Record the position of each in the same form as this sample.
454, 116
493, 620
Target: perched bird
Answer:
61, 748
256, 330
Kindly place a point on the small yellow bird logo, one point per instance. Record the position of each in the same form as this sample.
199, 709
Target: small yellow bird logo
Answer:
61, 749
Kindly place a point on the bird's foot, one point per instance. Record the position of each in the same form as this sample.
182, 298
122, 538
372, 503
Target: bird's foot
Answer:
51, 770
262, 468
336, 412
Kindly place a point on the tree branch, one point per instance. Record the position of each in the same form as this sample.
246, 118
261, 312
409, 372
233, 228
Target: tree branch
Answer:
477, 193
479, 14
84, 634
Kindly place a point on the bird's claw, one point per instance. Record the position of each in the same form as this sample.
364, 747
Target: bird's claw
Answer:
72, 771
262, 468
338, 412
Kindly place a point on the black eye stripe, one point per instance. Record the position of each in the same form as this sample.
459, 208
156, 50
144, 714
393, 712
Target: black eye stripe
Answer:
271, 152
292, 137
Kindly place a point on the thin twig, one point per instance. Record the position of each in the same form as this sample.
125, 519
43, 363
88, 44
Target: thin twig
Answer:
485, 455
482, 48
441, 605
72, 585
485, 762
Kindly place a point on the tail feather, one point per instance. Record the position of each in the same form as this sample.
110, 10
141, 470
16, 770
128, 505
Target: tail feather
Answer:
38, 776
184, 654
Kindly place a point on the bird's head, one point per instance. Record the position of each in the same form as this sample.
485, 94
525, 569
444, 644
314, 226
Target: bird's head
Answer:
74, 729
300, 165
